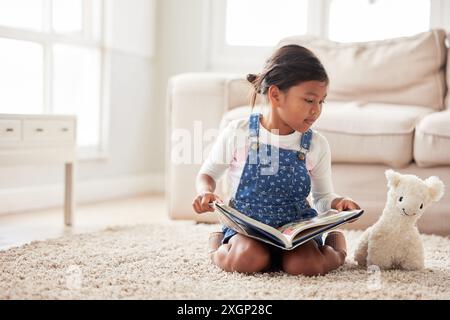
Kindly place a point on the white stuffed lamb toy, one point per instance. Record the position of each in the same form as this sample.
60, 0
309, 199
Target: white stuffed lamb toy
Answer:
394, 241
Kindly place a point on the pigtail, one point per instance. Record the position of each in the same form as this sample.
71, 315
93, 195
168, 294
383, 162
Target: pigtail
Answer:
253, 79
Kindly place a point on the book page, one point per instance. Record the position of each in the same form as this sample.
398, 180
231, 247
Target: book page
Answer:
293, 228
310, 233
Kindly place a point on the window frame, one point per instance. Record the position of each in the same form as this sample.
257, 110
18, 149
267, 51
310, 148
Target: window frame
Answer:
47, 38
223, 56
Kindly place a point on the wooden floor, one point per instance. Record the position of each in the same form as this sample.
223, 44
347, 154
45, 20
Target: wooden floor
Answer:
20, 228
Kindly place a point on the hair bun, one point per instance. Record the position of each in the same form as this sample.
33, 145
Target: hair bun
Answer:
251, 77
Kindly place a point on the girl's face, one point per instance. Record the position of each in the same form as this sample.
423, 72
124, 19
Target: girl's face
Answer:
301, 105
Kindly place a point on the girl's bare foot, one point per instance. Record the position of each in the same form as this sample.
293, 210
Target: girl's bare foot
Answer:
214, 242
336, 240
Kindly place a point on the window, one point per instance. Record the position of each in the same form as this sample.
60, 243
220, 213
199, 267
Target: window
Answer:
264, 22
365, 20
21, 66
26, 14
51, 61
242, 33
76, 87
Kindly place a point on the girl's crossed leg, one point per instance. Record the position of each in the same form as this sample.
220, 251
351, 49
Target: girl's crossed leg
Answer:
242, 254
310, 259
246, 255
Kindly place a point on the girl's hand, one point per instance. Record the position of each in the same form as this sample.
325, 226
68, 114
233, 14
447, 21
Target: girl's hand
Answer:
201, 202
343, 204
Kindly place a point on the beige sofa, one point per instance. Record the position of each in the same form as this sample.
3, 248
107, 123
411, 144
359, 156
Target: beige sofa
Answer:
387, 107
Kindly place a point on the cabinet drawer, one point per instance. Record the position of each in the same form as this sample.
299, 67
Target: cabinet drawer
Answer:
45, 130
10, 130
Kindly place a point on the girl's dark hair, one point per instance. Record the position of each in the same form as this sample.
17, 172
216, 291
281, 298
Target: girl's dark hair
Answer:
288, 66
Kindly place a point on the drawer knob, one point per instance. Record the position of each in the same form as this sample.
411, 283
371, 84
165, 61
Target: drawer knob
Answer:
39, 130
9, 129
64, 129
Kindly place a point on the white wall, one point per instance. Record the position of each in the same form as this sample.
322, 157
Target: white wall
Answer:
181, 47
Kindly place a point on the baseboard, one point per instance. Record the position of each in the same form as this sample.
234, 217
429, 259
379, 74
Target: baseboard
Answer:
40, 197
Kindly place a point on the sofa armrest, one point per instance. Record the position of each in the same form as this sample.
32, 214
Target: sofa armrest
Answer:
196, 103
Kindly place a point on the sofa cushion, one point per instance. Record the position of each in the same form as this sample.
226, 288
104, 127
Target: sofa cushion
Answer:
432, 140
362, 133
406, 70
370, 133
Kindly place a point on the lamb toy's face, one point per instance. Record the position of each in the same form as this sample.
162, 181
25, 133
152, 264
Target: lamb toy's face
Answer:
409, 196
410, 200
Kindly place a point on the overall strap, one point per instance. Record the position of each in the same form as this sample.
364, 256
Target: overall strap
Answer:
253, 130
305, 144
253, 126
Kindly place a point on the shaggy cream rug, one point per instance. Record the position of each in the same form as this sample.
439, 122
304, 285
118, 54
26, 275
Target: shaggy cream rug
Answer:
169, 261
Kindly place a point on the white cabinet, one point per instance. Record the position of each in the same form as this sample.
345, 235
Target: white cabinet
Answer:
48, 130
10, 130
41, 139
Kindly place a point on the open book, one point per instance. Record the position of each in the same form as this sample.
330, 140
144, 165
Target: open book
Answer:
288, 236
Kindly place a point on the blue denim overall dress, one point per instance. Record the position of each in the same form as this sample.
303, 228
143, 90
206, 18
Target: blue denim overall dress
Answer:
274, 184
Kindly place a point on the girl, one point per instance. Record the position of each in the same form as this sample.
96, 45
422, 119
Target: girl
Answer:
294, 85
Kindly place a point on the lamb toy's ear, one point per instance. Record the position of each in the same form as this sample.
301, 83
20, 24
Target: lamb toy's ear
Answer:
435, 188
393, 178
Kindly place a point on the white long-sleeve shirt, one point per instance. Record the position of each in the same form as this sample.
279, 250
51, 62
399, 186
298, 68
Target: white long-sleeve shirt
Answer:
229, 152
